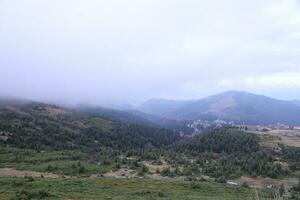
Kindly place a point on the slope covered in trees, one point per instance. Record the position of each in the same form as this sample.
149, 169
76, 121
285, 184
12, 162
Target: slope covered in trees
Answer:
101, 144
229, 152
41, 126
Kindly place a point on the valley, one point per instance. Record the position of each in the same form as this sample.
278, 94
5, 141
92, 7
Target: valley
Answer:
149, 100
44, 144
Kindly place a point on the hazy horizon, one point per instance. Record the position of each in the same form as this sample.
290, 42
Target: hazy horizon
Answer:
117, 52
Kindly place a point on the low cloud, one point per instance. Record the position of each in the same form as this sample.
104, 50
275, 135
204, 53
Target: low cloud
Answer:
280, 80
110, 51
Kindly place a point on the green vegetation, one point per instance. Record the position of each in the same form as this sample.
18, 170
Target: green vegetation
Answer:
59, 162
295, 191
230, 153
77, 150
122, 189
291, 155
40, 127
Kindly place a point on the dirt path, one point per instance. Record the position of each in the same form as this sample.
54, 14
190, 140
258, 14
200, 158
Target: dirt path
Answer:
258, 182
19, 173
262, 182
122, 173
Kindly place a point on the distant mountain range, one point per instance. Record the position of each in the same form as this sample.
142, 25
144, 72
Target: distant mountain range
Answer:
296, 102
129, 116
237, 106
135, 117
36, 125
234, 106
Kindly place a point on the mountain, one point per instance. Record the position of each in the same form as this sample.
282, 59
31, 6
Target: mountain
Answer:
135, 117
6, 101
43, 126
239, 107
54, 139
177, 125
296, 102
116, 115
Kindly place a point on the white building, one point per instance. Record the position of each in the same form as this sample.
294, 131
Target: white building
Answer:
297, 128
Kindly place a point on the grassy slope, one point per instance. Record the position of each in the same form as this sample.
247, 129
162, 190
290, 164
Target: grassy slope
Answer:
119, 189
62, 161
98, 188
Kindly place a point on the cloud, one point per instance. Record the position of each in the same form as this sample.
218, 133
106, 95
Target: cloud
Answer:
226, 83
130, 50
275, 80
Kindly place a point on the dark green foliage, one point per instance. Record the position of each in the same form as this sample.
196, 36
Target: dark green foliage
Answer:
229, 152
195, 185
226, 152
31, 194
245, 185
292, 155
221, 179
295, 191
167, 172
32, 127
221, 141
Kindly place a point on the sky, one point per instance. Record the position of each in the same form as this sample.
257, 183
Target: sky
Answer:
119, 51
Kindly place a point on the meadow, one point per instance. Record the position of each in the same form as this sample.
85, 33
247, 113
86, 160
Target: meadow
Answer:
120, 189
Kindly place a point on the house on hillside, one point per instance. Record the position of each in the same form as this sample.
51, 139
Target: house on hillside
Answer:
282, 126
297, 128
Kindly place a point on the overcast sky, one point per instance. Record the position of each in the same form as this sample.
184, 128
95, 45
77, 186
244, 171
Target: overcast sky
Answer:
132, 50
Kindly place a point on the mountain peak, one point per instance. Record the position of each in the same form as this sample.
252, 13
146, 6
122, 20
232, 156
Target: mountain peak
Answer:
233, 105
236, 93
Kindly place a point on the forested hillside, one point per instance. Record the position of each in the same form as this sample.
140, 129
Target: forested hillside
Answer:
49, 139
40, 126
229, 152
135, 117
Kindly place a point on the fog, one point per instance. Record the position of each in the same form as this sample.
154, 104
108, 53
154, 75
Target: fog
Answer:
128, 51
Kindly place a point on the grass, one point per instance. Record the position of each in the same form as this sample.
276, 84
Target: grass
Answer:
100, 124
119, 189
80, 186
285, 137
61, 162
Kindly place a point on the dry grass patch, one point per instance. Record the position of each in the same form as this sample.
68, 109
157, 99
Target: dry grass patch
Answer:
274, 137
10, 172
122, 173
263, 182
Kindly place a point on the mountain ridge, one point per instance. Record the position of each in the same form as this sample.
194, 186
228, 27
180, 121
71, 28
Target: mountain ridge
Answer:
296, 102
240, 107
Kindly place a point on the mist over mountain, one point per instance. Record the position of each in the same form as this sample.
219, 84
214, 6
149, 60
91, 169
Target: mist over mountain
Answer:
296, 102
150, 99
234, 106
161, 106
132, 116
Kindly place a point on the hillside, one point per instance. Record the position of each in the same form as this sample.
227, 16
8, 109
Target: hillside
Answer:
42, 126
134, 117
163, 122
123, 189
238, 107
116, 115
42, 142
